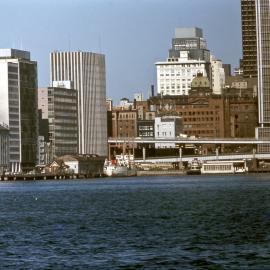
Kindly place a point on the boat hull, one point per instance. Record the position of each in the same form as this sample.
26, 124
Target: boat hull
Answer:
119, 171
193, 172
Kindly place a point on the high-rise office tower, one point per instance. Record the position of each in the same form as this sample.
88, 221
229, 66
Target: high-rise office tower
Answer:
60, 103
187, 57
263, 62
18, 107
249, 43
87, 72
4, 147
189, 39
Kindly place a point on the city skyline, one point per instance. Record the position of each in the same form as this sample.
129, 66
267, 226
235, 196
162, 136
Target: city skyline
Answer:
98, 27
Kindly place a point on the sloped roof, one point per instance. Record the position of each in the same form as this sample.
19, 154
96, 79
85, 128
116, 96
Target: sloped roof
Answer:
85, 157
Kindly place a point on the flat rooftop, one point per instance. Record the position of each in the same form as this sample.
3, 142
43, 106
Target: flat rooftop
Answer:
14, 53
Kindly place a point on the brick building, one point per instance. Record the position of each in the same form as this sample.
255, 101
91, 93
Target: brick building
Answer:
124, 123
241, 116
202, 112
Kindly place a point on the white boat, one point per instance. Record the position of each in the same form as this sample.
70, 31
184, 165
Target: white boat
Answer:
117, 171
194, 167
118, 168
226, 167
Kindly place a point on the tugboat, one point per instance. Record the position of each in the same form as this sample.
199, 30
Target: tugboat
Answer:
194, 168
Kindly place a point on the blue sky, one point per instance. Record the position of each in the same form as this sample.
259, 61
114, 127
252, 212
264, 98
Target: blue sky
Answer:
133, 34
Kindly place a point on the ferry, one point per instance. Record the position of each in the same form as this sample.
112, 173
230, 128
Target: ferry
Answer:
224, 167
194, 167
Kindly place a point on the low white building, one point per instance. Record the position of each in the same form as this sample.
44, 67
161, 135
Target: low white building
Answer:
174, 76
217, 75
167, 127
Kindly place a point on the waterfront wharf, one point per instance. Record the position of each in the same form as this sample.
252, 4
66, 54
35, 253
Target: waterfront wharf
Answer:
30, 177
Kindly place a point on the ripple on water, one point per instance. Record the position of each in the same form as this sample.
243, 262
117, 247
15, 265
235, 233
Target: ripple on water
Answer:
142, 223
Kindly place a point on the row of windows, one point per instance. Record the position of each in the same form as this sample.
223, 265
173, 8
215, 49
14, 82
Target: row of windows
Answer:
146, 128
172, 86
146, 134
176, 81
204, 132
201, 119
174, 91
164, 133
217, 167
199, 113
182, 66
126, 116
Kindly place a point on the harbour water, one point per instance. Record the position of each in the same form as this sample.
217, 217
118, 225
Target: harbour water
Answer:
183, 222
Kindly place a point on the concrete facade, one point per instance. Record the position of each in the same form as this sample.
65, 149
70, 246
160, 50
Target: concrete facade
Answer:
167, 127
189, 39
263, 67
4, 148
249, 40
217, 75
63, 120
87, 72
43, 102
18, 107
174, 76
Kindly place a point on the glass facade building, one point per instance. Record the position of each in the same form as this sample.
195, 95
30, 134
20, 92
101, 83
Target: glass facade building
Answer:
4, 148
18, 107
63, 121
263, 66
249, 40
263, 47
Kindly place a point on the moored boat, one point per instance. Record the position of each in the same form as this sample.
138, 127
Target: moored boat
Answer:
224, 167
119, 167
194, 168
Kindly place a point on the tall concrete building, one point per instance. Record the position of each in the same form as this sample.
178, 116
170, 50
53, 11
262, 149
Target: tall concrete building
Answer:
249, 41
18, 107
189, 39
175, 75
87, 72
217, 75
263, 62
62, 115
187, 57
4, 148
